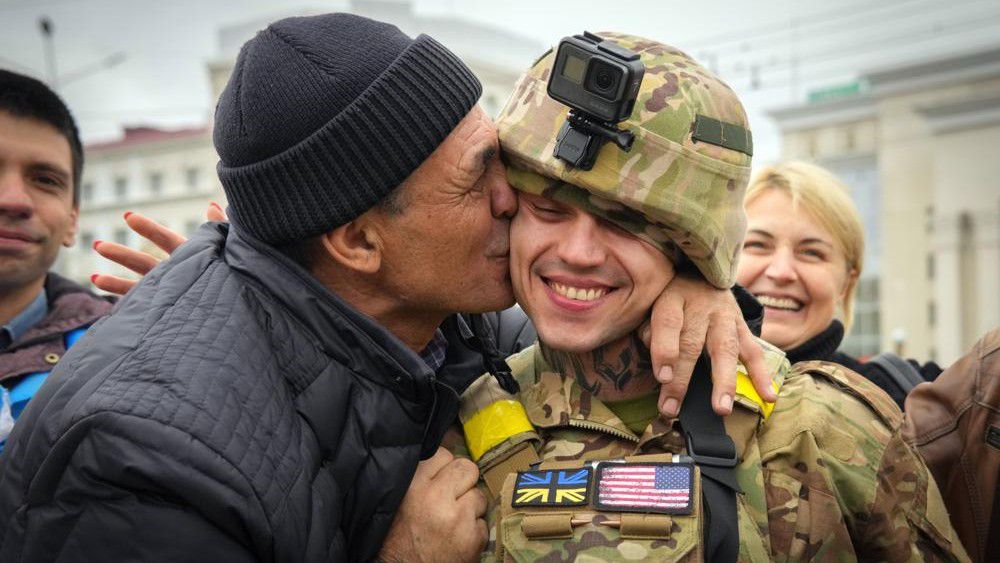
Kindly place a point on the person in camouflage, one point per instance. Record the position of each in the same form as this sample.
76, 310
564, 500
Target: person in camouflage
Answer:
825, 473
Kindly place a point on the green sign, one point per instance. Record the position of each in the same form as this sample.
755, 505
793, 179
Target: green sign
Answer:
839, 91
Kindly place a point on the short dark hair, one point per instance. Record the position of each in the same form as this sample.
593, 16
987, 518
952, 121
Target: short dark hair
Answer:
395, 202
309, 251
26, 97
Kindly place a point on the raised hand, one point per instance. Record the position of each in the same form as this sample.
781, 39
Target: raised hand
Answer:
138, 261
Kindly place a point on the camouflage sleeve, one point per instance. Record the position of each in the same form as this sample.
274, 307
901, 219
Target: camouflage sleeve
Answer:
908, 520
840, 478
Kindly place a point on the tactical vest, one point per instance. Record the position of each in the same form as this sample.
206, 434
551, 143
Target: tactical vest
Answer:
661, 516
828, 475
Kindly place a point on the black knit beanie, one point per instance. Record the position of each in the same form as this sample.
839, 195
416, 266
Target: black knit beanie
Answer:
325, 115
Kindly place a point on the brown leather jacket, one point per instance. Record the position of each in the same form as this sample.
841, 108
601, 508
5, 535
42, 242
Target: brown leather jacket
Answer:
954, 422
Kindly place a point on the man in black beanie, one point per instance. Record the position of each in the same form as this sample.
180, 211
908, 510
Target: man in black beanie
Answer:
268, 393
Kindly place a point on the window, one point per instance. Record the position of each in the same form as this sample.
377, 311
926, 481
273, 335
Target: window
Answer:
192, 177
86, 240
86, 191
155, 184
121, 188
121, 236
861, 175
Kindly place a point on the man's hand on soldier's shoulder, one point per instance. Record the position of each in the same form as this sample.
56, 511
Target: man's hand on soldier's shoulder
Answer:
441, 518
138, 261
689, 316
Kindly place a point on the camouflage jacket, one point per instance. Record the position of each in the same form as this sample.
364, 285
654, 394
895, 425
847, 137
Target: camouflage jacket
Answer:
826, 476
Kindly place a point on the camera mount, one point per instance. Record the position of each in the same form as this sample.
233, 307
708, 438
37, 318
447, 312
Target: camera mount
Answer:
581, 137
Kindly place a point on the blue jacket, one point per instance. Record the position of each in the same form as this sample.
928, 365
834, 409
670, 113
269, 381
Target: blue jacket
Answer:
27, 362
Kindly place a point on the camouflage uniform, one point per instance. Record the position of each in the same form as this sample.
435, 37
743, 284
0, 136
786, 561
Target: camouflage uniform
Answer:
826, 476
824, 471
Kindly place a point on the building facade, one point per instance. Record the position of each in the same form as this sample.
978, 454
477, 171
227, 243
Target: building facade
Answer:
917, 145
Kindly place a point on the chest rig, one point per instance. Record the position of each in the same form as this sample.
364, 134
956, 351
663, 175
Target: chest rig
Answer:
505, 443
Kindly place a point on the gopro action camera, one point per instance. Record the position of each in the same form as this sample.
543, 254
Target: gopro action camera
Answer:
599, 80
596, 76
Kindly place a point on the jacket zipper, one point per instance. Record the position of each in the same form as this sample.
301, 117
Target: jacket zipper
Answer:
602, 428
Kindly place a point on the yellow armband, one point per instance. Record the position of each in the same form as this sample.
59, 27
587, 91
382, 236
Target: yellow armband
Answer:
493, 424
745, 388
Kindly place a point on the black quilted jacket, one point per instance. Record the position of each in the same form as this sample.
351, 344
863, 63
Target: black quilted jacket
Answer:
230, 409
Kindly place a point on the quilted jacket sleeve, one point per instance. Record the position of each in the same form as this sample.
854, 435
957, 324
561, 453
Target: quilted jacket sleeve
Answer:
110, 490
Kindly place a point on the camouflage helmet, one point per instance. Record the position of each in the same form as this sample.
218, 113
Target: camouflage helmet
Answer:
682, 184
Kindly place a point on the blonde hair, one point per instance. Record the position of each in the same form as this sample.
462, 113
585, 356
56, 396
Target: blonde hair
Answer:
825, 198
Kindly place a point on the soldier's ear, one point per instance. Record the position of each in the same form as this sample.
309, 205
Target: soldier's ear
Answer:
355, 245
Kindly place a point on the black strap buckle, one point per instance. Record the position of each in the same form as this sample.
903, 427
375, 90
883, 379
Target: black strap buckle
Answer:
712, 458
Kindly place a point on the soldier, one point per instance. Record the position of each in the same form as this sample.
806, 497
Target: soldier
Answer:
578, 464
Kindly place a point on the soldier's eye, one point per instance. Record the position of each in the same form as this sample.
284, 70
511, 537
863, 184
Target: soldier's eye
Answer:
548, 210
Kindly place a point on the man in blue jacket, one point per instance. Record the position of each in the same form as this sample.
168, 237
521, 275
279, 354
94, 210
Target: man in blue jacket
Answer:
41, 313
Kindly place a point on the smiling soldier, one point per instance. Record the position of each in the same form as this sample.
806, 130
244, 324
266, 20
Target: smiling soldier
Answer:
578, 464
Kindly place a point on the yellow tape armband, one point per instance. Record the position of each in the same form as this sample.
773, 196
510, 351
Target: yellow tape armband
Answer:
744, 387
494, 424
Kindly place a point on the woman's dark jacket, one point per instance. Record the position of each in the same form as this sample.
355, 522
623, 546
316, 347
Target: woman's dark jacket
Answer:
231, 409
824, 346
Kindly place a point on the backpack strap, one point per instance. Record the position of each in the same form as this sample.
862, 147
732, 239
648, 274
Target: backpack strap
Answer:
713, 450
902, 372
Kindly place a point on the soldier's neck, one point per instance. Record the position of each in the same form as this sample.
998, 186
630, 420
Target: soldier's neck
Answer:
617, 371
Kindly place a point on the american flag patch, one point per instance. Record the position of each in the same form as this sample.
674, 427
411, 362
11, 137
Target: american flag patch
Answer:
553, 487
645, 487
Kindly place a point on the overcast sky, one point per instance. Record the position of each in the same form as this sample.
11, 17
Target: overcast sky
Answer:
773, 52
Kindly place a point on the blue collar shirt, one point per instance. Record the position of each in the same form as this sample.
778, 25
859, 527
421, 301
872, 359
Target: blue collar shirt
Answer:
30, 316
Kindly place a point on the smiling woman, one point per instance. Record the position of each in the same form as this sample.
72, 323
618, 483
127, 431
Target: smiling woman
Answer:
802, 258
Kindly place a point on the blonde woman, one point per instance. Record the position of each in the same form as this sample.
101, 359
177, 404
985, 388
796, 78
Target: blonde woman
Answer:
802, 258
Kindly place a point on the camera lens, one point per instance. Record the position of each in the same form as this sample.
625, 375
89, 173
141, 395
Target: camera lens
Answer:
604, 79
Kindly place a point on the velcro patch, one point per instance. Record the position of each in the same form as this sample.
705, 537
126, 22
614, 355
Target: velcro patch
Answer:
719, 133
664, 488
553, 487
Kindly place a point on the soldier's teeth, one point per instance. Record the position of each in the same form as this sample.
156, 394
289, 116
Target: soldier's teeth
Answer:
779, 302
578, 294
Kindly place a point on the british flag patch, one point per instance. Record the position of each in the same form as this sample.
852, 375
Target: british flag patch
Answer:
663, 488
553, 487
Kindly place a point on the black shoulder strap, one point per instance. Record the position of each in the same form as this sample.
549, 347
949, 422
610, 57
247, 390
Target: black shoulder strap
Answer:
715, 453
901, 371
485, 339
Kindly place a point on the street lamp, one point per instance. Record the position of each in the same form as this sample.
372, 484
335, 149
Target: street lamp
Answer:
45, 24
